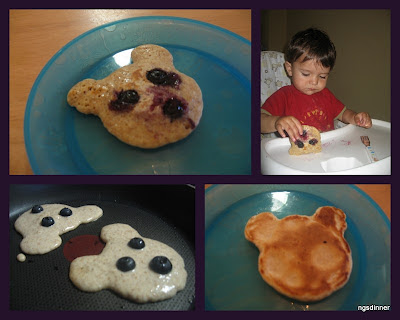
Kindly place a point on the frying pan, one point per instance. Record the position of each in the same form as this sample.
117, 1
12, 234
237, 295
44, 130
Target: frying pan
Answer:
162, 212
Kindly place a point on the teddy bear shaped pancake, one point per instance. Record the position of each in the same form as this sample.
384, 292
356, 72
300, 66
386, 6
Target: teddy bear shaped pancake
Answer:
303, 257
136, 268
146, 104
309, 142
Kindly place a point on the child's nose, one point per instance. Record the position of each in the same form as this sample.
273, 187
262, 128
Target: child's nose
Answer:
314, 81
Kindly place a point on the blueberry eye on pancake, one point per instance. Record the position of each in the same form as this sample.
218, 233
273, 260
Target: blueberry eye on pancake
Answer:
37, 209
126, 100
125, 264
163, 78
161, 265
136, 243
47, 221
174, 108
299, 144
65, 212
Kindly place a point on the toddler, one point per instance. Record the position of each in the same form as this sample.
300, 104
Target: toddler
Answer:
309, 58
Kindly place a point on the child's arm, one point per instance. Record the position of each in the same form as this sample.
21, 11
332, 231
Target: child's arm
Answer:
361, 119
275, 123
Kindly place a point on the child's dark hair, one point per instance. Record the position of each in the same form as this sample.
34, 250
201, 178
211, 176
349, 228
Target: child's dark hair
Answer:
315, 44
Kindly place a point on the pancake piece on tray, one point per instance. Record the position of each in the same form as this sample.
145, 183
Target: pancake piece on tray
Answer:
309, 142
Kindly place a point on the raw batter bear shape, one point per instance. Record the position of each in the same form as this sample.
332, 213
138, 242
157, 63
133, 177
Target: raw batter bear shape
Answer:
303, 257
42, 225
146, 104
309, 142
136, 268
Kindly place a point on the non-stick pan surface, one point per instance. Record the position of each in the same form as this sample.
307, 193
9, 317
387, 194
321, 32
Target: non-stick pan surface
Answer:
164, 213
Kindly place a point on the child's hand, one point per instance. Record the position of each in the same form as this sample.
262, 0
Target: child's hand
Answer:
291, 125
363, 119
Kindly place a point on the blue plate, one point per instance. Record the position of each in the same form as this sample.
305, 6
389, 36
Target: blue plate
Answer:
60, 140
232, 281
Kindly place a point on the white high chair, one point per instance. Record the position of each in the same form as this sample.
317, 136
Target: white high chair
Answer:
273, 77
273, 74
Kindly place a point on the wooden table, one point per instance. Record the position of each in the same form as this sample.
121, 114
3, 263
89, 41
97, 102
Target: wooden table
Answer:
36, 35
380, 193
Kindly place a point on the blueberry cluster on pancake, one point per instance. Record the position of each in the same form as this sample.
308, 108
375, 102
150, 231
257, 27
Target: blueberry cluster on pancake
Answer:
309, 142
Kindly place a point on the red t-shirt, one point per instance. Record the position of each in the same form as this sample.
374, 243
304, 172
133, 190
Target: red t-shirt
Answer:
318, 110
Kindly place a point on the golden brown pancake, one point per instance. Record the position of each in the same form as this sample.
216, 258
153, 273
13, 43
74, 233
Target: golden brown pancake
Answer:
146, 104
303, 257
309, 142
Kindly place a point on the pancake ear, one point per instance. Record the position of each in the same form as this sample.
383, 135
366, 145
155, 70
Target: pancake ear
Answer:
333, 218
151, 52
260, 227
83, 94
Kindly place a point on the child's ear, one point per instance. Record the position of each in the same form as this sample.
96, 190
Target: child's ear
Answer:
288, 67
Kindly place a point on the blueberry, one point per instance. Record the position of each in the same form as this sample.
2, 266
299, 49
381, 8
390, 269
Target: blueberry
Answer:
161, 265
47, 221
126, 99
37, 209
173, 108
66, 212
299, 144
128, 96
125, 264
173, 80
136, 243
313, 141
157, 76
304, 133
163, 78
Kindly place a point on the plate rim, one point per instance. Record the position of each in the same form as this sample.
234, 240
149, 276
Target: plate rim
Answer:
32, 93
353, 186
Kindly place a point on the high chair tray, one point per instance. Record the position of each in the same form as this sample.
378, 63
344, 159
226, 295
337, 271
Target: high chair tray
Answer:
343, 152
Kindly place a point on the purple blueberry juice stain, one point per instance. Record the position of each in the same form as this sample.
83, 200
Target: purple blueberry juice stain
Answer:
346, 142
304, 136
